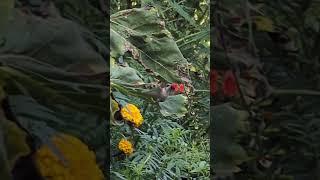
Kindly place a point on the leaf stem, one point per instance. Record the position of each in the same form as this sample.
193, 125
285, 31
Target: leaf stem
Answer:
296, 92
201, 90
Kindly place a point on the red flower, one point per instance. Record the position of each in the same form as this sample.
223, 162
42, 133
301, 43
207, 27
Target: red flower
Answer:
213, 82
175, 87
229, 84
181, 88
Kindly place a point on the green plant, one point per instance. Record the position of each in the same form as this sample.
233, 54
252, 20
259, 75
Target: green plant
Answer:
146, 64
268, 48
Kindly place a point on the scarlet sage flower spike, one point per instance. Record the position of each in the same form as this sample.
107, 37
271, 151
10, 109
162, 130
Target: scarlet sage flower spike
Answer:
175, 87
229, 84
181, 88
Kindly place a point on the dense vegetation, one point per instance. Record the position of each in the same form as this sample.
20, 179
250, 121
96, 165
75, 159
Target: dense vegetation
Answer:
53, 74
165, 75
53, 93
265, 89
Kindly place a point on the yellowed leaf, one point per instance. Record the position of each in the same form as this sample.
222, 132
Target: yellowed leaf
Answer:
263, 23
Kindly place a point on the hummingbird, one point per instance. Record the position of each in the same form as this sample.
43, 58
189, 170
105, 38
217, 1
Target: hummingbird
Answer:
161, 93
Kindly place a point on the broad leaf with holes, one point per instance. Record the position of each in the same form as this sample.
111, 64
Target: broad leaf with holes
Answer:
148, 41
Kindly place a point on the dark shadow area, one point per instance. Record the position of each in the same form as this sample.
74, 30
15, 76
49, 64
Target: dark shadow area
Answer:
265, 86
54, 79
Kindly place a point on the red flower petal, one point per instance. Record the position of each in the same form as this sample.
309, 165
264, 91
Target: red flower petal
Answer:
213, 82
181, 88
175, 87
229, 84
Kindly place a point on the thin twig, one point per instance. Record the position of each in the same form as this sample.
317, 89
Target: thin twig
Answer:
218, 23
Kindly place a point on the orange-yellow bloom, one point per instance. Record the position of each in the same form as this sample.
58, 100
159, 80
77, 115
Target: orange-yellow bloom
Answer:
80, 162
125, 146
132, 114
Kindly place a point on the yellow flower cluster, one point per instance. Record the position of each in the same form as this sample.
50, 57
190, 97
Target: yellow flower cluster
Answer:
125, 146
132, 114
80, 162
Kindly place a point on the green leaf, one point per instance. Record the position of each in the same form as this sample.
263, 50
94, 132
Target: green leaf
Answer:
43, 122
117, 44
114, 107
125, 74
227, 122
263, 24
6, 8
181, 12
148, 41
15, 141
56, 42
174, 106
12, 146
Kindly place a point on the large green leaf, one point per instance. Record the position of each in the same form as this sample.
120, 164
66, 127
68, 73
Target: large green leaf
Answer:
124, 74
226, 123
174, 106
24, 83
46, 63
56, 42
149, 42
62, 60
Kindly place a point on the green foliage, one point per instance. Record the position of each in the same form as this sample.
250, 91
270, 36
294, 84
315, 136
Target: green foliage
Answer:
226, 123
164, 42
174, 106
14, 146
50, 69
147, 40
53, 56
272, 48
124, 74
152, 45
166, 151
6, 9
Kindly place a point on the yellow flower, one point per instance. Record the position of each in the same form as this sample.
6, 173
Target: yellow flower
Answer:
80, 162
132, 114
125, 146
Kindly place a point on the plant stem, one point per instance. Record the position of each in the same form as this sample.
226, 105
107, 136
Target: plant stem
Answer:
296, 92
201, 90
